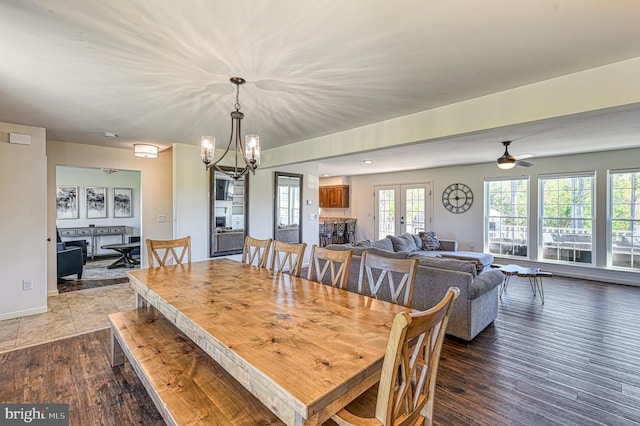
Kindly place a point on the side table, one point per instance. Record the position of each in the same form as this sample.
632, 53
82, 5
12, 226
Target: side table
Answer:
534, 274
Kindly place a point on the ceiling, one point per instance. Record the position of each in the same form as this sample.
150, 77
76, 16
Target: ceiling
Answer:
157, 71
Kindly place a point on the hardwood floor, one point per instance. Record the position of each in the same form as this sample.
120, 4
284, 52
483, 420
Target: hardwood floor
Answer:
573, 361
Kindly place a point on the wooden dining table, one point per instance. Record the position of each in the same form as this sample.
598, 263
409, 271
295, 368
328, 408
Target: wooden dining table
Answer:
304, 349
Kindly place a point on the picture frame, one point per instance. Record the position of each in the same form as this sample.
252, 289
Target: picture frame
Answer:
66, 202
96, 201
122, 202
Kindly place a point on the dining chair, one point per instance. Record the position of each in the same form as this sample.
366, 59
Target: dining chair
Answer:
256, 251
161, 249
287, 254
340, 232
405, 393
322, 234
351, 231
323, 260
398, 274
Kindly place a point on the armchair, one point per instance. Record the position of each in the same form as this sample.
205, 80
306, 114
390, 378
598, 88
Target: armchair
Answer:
70, 261
75, 243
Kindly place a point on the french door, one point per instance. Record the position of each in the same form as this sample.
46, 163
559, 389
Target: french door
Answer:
402, 208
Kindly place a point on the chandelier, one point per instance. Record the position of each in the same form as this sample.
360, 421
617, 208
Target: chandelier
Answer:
250, 152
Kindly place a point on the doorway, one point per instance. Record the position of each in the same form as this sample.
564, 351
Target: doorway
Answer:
402, 208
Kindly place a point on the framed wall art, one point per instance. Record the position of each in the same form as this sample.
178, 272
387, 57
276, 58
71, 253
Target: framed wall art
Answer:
122, 202
96, 202
66, 202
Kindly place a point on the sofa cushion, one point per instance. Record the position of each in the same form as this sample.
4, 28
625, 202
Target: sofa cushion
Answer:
429, 240
404, 242
357, 251
450, 264
387, 253
384, 244
483, 261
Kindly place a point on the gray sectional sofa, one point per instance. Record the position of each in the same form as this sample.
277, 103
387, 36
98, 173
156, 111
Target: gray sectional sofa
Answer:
477, 306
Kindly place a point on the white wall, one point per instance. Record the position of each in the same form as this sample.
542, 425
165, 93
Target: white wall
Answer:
467, 228
23, 222
82, 177
191, 199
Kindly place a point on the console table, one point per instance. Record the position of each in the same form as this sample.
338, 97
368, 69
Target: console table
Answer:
93, 233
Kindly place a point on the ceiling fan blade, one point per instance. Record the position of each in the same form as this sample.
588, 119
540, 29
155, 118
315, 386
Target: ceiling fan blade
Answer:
523, 163
525, 155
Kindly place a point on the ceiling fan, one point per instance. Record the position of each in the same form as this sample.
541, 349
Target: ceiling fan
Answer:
508, 161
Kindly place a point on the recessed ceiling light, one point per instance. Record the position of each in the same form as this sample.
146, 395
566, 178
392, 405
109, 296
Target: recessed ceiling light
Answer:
367, 161
325, 175
110, 135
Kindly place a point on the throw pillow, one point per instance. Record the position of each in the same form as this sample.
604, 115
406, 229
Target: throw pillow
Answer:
403, 242
429, 240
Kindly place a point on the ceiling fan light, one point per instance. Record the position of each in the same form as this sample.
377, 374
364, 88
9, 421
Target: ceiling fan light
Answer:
506, 163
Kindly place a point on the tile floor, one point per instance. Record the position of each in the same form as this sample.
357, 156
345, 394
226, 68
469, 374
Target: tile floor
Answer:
69, 314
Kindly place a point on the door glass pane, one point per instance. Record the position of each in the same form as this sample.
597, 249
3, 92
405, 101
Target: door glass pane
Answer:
386, 213
415, 205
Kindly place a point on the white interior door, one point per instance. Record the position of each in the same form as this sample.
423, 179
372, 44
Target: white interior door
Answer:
402, 208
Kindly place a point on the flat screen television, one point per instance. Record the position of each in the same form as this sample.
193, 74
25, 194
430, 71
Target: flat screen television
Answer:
224, 189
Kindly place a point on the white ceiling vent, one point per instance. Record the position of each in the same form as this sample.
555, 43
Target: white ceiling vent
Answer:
20, 139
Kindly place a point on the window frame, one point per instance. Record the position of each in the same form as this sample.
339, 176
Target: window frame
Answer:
577, 252
524, 253
635, 245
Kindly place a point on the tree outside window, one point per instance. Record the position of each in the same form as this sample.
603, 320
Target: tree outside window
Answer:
567, 218
624, 207
507, 216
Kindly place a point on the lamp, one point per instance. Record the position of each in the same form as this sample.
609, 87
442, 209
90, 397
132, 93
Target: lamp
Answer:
250, 152
145, 151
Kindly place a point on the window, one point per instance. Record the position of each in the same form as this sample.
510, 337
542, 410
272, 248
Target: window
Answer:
507, 216
624, 210
567, 217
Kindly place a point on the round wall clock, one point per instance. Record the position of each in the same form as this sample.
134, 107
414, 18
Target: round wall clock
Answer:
457, 198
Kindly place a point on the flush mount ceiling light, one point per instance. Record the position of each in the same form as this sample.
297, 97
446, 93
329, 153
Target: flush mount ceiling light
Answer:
367, 161
250, 153
110, 135
145, 150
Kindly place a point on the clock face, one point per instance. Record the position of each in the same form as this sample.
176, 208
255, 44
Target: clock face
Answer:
457, 198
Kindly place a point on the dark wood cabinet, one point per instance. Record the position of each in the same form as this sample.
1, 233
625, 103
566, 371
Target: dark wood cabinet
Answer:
334, 197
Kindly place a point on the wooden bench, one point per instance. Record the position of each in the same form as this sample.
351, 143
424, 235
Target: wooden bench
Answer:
187, 386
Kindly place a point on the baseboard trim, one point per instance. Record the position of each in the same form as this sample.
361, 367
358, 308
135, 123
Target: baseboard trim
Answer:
24, 313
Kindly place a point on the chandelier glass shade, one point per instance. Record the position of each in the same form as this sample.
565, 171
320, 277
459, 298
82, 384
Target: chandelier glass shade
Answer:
247, 155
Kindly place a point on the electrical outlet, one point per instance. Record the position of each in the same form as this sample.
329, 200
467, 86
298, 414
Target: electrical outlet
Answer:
27, 285
472, 247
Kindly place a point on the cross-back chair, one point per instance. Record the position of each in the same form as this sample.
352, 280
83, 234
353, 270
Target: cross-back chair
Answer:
405, 393
167, 250
397, 275
256, 252
287, 254
324, 260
